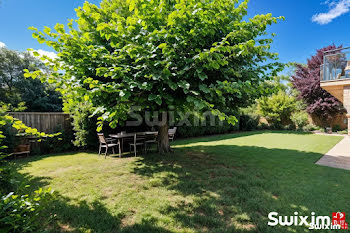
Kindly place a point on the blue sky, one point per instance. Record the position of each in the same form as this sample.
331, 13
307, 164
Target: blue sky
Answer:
309, 24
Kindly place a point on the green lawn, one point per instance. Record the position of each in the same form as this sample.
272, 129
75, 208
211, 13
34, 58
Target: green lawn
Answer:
225, 183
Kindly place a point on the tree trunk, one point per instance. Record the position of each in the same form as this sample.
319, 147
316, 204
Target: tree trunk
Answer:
163, 139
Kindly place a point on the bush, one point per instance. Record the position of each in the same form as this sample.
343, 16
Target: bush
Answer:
299, 119
6, 178
18, 212
248, 122
9, 139
311, 127
22, 213
57, 144
289, 127
342, 132
336, 128
263, 126
194, 131
277, 109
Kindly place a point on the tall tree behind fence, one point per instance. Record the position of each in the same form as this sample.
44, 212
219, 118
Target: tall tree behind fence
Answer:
48, 122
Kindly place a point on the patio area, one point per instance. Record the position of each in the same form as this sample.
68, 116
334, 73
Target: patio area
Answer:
338, 156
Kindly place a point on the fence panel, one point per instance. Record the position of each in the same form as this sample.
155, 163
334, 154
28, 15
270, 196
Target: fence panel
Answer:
48, 122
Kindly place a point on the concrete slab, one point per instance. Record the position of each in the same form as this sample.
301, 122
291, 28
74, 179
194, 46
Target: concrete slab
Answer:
338, 156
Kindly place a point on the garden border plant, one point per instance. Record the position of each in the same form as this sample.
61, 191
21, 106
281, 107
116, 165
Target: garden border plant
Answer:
20, 211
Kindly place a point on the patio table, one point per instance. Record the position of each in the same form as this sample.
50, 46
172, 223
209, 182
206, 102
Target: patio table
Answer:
121, 136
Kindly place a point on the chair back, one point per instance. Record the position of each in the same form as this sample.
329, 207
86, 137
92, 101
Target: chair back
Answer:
151, 136
172, 131
140, 136
101, 138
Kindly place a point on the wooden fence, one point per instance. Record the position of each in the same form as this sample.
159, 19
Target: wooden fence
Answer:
48, 122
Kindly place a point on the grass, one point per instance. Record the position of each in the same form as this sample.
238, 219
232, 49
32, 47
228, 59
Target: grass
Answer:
225, 183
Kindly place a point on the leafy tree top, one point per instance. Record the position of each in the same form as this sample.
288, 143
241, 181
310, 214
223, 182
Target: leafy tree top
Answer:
15, 89
155, 54
307, 81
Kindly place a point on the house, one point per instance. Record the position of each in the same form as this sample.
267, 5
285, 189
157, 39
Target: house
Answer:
335, 76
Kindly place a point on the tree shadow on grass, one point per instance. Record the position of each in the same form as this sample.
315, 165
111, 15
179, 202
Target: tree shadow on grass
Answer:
72, 215
234, 191
95, 217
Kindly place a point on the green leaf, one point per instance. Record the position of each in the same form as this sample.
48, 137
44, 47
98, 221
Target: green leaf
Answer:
41, 40
162, 45
202, 76
152, 97
204, 88
132, 5
33, 28
27, 75
172, 85
159, 101
47, 30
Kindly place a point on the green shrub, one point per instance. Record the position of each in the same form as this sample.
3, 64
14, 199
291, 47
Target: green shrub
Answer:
289, 127
19, 212
299, 119
342, 132
248, 122
336, 128
9, 139
22, 213
6, 179
57, 144
263, 126
311, 127
277, 109
194, 131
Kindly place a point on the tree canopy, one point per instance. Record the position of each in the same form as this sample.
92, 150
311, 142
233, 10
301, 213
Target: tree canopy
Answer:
154, 54
307, 81
16, 90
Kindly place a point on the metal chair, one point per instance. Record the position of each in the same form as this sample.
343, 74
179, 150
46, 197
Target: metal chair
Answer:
171, 133
139, 140
106, 143
149, 140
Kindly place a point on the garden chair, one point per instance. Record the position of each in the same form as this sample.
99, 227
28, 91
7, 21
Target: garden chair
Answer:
106, 143
139, 140
149, 140
171, 133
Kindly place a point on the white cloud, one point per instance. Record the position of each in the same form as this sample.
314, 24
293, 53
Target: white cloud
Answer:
51, 55
337, 8
2, 44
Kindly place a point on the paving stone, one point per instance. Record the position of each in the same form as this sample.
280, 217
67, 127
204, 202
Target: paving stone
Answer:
338, 156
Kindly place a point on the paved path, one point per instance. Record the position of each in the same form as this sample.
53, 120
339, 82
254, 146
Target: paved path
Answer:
338, 156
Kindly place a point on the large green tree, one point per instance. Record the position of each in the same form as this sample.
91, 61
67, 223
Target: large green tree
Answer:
187, 54
16, 89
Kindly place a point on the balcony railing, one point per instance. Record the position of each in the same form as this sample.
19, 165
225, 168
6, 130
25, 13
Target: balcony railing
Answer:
336, 65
